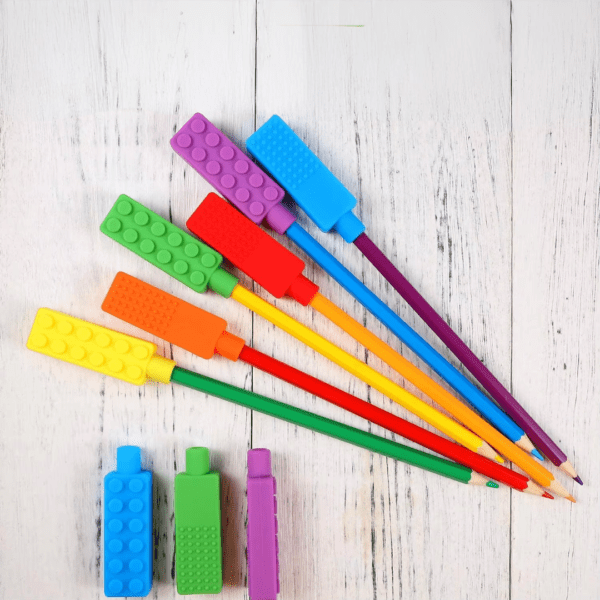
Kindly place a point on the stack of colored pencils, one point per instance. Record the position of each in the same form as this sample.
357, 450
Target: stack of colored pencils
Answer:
483, 434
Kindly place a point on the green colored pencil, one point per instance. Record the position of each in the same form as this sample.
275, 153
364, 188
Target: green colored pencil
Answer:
303, 418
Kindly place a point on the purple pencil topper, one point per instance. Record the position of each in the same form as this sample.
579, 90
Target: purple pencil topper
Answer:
263, 563
232, 173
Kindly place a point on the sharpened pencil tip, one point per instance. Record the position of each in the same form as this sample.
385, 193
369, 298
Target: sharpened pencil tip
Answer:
492, 484
537, 454
547, 495
572, 499
578, 480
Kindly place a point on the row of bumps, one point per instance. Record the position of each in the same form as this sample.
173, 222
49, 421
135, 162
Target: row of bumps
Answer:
128, 527
161, 243
92, 346
226, 167
282, 152
198, 558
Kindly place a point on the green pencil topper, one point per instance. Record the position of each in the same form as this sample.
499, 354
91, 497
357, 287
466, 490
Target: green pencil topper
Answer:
167, 247
198, 526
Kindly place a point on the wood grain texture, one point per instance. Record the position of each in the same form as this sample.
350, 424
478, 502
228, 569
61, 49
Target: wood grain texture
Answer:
412, 104
556, 122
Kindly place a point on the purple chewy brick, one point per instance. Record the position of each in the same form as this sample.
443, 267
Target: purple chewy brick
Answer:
232, 173
263, 564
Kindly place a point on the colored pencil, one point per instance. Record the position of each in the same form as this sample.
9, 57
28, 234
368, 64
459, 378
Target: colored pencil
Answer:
262, 258
466, 356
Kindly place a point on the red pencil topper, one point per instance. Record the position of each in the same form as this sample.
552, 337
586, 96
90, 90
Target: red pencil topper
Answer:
251, 249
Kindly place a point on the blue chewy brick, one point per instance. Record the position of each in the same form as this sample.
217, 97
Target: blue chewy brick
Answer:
309, 182
128, 527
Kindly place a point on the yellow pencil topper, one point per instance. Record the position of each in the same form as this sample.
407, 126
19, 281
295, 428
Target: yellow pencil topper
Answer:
97, 348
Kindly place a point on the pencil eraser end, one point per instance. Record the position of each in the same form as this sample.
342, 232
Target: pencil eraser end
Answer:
259, 462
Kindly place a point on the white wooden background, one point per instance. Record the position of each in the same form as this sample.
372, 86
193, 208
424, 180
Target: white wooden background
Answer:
470, 133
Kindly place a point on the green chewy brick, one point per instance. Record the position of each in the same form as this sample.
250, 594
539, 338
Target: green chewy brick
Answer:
167, 247
198, 526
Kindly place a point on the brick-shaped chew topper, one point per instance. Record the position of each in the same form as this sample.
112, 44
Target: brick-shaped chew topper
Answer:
170, 318
128, 527
263, 547
167, 247
198, 526
306, 179
251, 249
97, 348
211, 153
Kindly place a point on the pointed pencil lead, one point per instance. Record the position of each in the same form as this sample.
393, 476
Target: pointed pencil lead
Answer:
567, 468
572, 499
492, 484
547, 495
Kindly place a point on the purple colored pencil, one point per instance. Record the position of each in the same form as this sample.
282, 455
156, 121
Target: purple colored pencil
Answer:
263, 563
540, 438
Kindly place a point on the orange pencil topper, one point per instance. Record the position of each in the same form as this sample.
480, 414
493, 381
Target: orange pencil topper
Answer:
170, 318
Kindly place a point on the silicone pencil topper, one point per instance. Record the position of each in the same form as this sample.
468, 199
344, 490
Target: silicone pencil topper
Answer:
251, 249
329, 204
196, 265
200, 143
232, 173
198, 526
127, 524
48, 338
203, 334
174, 320
263, 547
97, 348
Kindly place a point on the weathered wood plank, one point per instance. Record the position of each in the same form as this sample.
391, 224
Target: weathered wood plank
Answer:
556, 120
